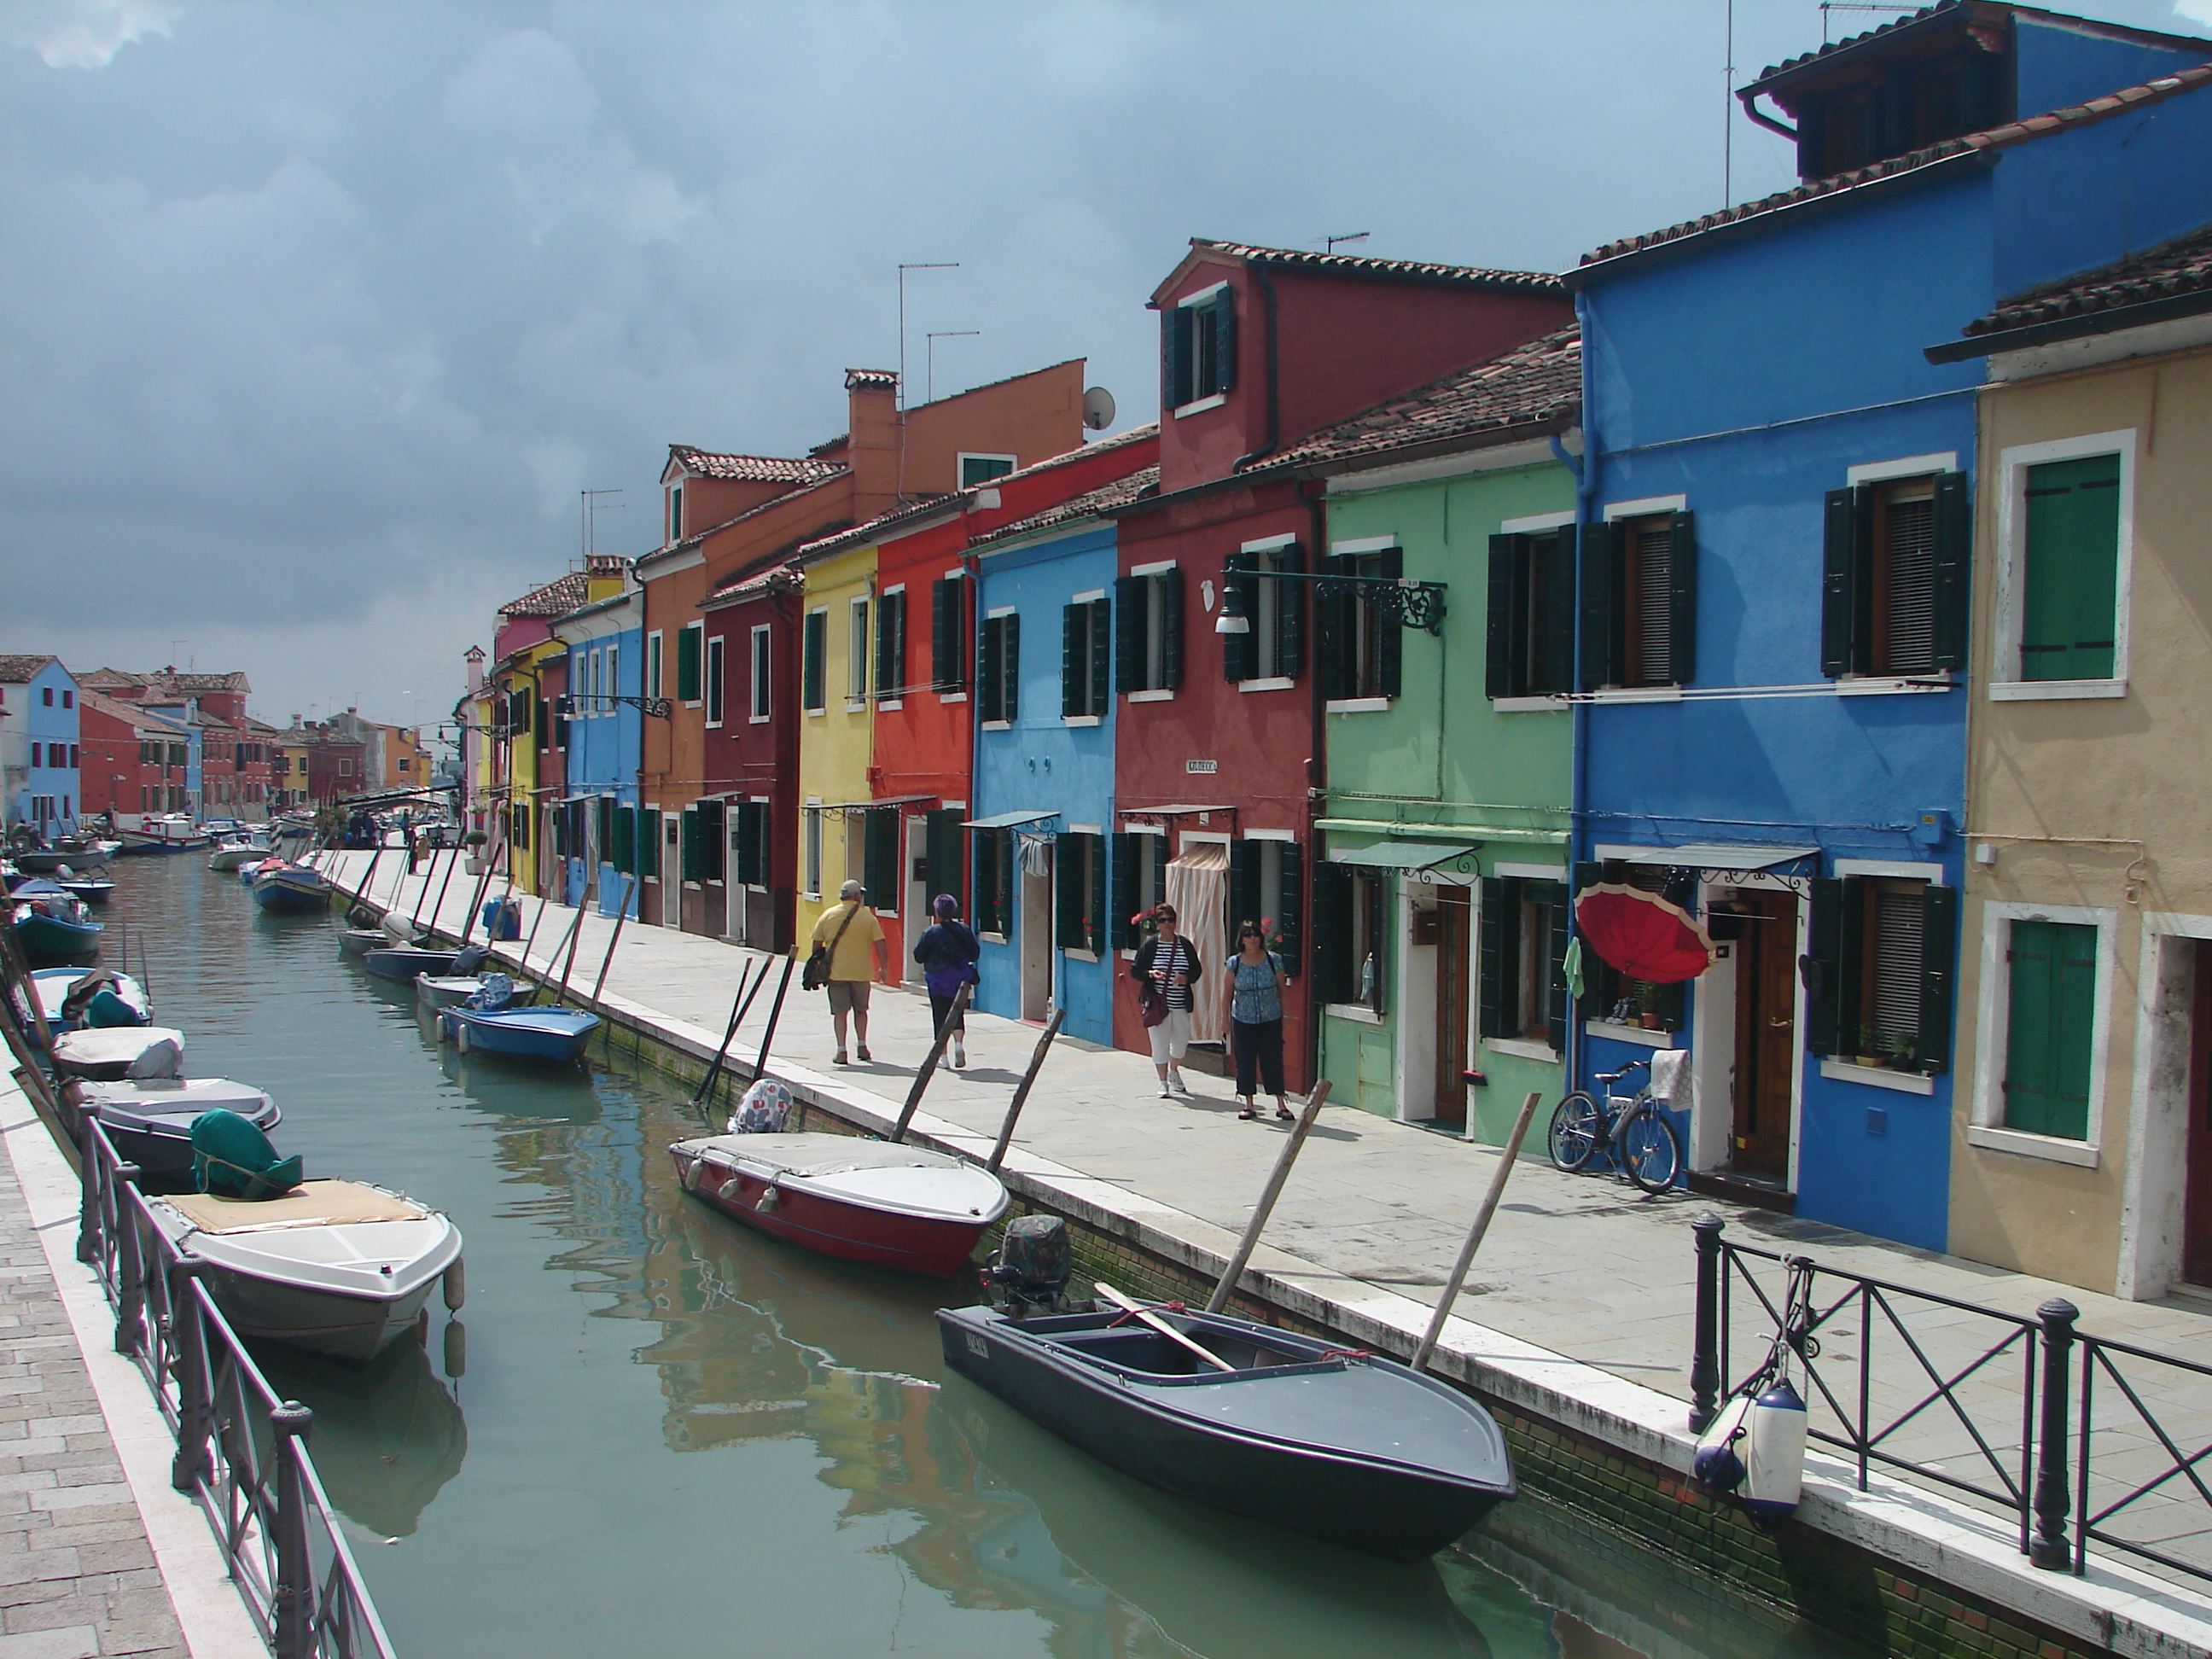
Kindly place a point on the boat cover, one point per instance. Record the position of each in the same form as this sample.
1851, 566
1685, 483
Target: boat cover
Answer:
166, 1105
135, 1051
765, 1109
311, 1204
231, 1157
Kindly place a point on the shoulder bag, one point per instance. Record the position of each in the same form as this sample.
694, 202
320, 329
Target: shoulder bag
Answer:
815, 973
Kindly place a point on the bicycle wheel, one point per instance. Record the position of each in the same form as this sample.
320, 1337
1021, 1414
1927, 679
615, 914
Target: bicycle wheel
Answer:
1650, 1151
1574, 1132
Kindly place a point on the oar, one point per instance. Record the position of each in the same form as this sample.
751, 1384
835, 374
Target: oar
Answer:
1162, 1326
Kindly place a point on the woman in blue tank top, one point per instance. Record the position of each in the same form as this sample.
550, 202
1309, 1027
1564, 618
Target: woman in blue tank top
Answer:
1253, 980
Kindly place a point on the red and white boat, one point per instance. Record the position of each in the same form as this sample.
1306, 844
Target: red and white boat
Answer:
866, 1200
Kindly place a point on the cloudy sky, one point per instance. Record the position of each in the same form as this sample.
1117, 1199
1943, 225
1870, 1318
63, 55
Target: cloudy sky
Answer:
318, 316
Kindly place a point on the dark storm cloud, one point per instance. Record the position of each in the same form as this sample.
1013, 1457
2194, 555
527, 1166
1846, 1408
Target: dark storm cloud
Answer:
319, 316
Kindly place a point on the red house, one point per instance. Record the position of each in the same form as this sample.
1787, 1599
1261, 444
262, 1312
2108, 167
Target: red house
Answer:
1217, 746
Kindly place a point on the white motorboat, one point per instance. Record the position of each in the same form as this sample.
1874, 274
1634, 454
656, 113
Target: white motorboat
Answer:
132, 1052
125, 1003
235, 850
339, 1267
150, 1122
166, 832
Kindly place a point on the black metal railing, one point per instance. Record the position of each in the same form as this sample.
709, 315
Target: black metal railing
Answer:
1978, 1401
241, 1448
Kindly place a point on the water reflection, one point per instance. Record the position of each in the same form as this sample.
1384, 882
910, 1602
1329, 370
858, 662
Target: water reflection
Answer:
386, 1437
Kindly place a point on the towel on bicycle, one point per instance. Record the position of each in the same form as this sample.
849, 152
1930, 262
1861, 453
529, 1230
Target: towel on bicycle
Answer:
1671, 1078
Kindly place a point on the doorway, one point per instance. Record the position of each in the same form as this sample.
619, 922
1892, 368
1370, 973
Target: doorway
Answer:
1765, 1033
1036, 862
918, 896
2196, 1203
1454, 918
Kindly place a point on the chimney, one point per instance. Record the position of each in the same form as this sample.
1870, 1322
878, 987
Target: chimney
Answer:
873, 424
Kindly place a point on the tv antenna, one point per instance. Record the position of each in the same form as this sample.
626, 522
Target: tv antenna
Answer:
929, 357
936, 265
1329, 242
588, 509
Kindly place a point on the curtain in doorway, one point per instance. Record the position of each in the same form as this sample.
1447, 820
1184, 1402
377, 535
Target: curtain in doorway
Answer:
1198, 887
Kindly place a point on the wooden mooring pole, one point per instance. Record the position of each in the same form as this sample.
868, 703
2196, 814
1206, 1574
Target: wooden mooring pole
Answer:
608, 960
929, 1066
1269, 1195
1022, 1094
1426, 1352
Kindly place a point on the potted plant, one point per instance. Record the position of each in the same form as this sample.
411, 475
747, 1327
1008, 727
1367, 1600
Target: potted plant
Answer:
474, 842
1647, 1008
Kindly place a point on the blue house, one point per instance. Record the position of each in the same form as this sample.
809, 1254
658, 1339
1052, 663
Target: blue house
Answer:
39, 751
1771, 572
604, 736
1051, 877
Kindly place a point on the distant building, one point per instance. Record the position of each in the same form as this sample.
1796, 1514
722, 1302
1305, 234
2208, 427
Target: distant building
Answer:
39, 743
134, 761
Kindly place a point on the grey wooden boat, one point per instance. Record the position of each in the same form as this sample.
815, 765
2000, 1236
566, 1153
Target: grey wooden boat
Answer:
1341, 1445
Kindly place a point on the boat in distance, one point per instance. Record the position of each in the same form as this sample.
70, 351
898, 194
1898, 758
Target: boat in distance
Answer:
866, 1200
165, 832
1341, 1445
290, 888
547, 1034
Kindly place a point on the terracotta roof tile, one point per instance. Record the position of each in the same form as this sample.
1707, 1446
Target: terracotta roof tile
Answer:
1834, 48
748, 469
2183, 265
563, 594
1529, 281
16, 670
1089, 505
1540, 381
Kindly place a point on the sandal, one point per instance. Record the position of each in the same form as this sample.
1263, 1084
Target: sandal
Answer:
1284, 1115
1249, 1113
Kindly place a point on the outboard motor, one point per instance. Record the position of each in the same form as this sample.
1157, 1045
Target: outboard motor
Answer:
470, 963
1029, 1275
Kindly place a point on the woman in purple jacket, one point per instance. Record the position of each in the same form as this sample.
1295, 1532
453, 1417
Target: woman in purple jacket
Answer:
948, 952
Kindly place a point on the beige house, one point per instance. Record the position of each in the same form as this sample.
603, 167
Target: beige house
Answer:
2082, 1151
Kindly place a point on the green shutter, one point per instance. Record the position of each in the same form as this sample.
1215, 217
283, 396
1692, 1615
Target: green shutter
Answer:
1559, 1010
1123, 897
940, 852
602, 812
691, 845
1175, 356
2052, 998
880, 858
989, 684
1600, 605
1839, 582
625, 841
1335, 613
1939, 945
890, 676
1508, 557
1244, 900
1955, 547
714, 843
944, 634
1009, 667
1069, 889
1335, 978
1291, 618
1824, 951
1495, 947
1224, 339
1682, 608
648, 842
1129, 633
1237, 649
1391, 643
813, 643
687, 665
1290, 908
2071, 612
1101, 656
1170, 583
1097, 933
1378, 929
1074, 675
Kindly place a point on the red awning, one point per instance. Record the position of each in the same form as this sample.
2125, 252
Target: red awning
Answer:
1642, 934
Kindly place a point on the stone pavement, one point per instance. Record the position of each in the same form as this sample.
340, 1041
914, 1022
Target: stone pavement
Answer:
1583, 1265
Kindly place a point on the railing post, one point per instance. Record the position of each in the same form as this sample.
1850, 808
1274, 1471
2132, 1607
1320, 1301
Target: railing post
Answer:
1705, 1352
293, 1610
87, 1209
129, 1269
195, 1406
2049, 1548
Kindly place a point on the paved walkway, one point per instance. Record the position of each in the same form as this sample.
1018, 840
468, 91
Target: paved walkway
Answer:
1583, 1265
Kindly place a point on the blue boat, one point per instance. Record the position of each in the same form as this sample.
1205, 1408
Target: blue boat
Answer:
290, 888
550, 1034
52, 927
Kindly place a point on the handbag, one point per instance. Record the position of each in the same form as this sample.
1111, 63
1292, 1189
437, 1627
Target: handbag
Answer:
815, 973
1151, 1001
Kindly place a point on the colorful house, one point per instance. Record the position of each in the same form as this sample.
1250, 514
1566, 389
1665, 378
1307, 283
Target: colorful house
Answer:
836, 749
601, 724
1772, 558
525, 745
39, 745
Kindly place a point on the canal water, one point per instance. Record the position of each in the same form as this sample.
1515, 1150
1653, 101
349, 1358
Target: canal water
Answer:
656, 1434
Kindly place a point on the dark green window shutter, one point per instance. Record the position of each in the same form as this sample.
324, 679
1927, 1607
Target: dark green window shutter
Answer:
1097, 935
1170, 583
1335, 614
1074, 675
1101, 656
1559, 1010
691, 844
1236, 649
948, 611
1390, 644
1682, 616
891, 674
1939, 945
1495, 947
880, 858
2071, 608
813, 642
1290, 908
2052, 967
1335, 977
941, 854
1377, 899
1508, 557
1600, 605
1124, 894
1839, 583
988, 683
603, 829
748, 838
1955, 549
544, 718
1068, 885
1823, 970
1129, 633
986, 870
648, 842
1175, 356
714, 842
1009, 667
687, 665
625, 841
1224, 339
1244, 900
1291, 618
1552, 573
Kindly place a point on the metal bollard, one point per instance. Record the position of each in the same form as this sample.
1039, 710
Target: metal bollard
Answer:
2049, 1548
293, 1597
195, 1408
1705, 1350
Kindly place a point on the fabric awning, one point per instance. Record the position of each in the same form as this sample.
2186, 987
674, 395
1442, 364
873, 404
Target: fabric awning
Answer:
1009, 820
1708, 855
1402, 855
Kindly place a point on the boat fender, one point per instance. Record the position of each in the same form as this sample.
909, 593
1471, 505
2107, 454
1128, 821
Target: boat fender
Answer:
457, 1350
1774, 1472
460, 1037
731, 1190
770, 1199
456, 1286
695, 1176
1718, 1460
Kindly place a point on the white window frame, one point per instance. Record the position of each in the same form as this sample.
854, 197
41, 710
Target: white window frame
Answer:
810, 849
614, 674
762, 686
1992, 1019
672, 512
654, 651
2006, 685
713, 659
960, 467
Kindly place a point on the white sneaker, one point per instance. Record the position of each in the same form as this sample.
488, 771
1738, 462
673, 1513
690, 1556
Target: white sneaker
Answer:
1175, 1082
1167, 1092
959, 1055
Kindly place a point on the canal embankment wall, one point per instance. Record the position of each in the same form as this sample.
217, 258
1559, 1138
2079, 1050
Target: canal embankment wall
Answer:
1897, 1567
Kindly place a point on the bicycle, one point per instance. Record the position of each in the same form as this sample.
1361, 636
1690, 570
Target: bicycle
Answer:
1632, 1128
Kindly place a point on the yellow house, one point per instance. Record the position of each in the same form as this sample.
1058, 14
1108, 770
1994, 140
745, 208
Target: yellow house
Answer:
2082, 1151
526, 779
836, 728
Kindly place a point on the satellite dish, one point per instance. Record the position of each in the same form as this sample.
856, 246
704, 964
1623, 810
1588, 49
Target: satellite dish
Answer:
1098, 409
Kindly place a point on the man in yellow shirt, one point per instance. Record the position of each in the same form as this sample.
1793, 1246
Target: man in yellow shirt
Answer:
858, 955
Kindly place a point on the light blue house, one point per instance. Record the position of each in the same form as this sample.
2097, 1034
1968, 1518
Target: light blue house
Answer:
1051, 875
1771, 566
605, 731
38, 749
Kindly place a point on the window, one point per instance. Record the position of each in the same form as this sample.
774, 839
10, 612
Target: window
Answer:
813, 673
1079, 915
674, 512
1148, 631
1266, 883
713, 686
1086, 684
1622, 998
36, 750
948, 635
1361, 644
2052, 994
1523, 950
999, 668
69, 701
73, 759
856, 651
749, 839
1352, 952
879, 828
981, 469
760, 702
46, 693
1273, 645
612, 687
708, 859
995, 881
890, 645
2070, 614
653, 663
1903, 106
687, 664
603, 829
813, 826
1639, 601
1531, 635
1197, 348
1882, 990
1895, 577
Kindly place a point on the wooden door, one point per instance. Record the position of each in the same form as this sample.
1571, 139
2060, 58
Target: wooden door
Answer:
2196, 1212
1453, 916
1766, 1033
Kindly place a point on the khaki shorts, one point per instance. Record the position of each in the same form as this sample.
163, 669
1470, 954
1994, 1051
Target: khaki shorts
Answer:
848, 996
